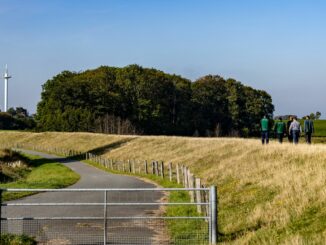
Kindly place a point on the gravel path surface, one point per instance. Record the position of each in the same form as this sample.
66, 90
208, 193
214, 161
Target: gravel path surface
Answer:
87, 231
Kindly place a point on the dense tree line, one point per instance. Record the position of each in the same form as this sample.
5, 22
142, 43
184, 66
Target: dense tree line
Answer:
136, 100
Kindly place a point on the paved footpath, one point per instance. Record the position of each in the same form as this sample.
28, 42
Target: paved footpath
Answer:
120, 231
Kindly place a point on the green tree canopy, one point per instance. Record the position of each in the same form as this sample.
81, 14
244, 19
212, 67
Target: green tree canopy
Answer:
140, 100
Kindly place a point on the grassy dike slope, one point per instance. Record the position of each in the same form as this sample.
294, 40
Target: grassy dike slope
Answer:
37, 173
267, 195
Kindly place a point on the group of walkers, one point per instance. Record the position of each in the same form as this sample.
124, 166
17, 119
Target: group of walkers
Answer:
292, 129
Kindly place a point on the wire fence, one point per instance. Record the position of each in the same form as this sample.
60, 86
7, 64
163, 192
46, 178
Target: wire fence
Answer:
108, 216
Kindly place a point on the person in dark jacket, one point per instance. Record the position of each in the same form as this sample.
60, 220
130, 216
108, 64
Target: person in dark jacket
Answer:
264, 130
289, 133
280, 129
308, 129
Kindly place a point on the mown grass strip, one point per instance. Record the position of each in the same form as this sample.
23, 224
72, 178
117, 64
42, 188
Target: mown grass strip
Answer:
45, 174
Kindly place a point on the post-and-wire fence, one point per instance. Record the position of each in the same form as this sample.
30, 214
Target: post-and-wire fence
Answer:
103, 216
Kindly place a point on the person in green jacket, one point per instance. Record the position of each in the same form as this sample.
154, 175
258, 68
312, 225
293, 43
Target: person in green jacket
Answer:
264, 130
280, 129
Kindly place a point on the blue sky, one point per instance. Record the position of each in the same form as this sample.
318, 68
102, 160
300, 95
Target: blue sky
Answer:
276, 45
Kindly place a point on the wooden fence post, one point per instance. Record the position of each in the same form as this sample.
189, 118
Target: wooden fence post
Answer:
198, 195
162, 169
206, 194
189, 174
191, 185
156, 168
133, 167
146, 167
185, 176
123, 167
178, 174
129, 165
170, 171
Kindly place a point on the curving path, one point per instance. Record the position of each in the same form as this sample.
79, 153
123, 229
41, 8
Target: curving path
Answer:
87, 231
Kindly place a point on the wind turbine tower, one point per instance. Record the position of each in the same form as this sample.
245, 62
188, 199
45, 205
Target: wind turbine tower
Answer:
6, 77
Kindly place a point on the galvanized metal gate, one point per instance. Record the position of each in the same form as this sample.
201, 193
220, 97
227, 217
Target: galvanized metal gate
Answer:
110, 216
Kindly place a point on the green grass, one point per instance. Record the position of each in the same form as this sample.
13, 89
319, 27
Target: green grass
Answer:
10, 239
240, 204
44, 173
320, 127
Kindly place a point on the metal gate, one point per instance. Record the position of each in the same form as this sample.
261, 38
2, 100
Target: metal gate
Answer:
110, 216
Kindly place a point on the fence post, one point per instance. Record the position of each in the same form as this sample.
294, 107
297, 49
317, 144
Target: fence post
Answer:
133, 167
162, 169
191, 185
170, 171
206, 199
129, 163
189, 174
178, 174
146, 167
185, 176
213, 214
198, 195
156, 168
153, 167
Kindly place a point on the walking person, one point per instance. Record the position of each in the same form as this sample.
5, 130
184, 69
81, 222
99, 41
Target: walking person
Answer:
296, 129
264, 130
308, 129
280, 129
289, 133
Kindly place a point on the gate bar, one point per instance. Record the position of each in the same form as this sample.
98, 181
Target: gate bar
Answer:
108, 218
102, 189
108, 204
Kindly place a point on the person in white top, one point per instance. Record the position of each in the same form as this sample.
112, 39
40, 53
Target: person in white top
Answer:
295, 129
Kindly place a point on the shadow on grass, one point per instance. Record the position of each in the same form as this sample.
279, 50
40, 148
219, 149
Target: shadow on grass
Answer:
97, 151
109, 147
227, 237
79, 157
39, 161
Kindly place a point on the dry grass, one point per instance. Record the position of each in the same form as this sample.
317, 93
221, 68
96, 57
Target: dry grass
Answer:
267, 194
